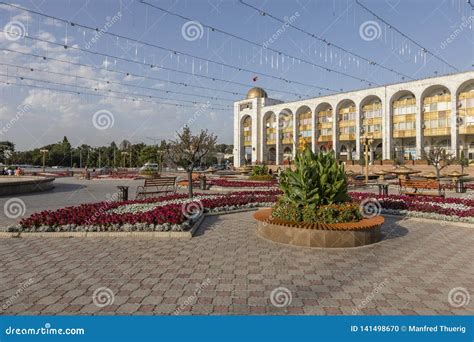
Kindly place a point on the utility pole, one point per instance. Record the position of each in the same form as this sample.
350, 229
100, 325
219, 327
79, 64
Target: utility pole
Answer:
44, 151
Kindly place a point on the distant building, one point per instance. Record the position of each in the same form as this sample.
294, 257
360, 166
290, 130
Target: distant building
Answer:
400, 119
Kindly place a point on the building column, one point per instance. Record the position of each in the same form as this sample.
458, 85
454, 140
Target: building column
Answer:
419, 127
295, 137
358, 135
278, 141
255, 127
454, 126
314, 138
387, 138
335, 133
237, 140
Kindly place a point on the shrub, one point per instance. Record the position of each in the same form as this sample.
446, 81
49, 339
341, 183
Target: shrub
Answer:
331, 213
316, 191
261, 178
259, 170
317, 180
149, 172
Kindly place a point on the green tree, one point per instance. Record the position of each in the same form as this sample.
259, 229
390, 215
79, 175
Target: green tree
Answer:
6, 151
439, 158
188, 150
149, 154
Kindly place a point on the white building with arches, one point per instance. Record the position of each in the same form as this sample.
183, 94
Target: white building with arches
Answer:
401, 118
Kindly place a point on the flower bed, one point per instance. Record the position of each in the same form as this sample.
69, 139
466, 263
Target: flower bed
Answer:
448, 209
167, 213
242, 184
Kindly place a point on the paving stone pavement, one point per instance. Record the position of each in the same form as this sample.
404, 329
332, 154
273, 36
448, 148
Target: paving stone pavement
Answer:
228, 270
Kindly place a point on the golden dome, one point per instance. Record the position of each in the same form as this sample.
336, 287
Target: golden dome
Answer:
256, 92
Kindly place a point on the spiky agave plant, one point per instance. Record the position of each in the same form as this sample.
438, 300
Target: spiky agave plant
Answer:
317, 180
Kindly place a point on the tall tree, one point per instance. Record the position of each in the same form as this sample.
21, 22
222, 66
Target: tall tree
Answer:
439, 158
6, 151
188, 150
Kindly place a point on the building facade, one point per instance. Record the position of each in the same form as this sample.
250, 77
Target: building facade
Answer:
397, 119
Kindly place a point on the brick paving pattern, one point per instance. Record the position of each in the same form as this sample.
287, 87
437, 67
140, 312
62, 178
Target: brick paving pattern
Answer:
228, 270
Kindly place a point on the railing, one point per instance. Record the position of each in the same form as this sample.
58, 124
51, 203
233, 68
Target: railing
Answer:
349, 136
372, 121
325, 138
404, 133
404, 103
437, 99
437, 131
466, 129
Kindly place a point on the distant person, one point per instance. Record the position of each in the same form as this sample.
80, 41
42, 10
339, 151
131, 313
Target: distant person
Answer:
17, 171
10, 172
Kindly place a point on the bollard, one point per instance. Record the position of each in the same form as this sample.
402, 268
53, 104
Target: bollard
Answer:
203, 182
122, 193
460, 186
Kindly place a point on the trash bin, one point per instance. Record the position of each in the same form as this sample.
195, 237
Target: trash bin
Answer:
122, 193
383, 189
460, 186
203, 182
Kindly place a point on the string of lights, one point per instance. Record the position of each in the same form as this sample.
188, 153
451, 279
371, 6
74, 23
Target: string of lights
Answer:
127, 73
174, 52
109, 82
213, 29
135, 97
390, 26
323, 40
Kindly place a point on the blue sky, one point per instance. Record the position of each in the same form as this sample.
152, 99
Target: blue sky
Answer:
34, 116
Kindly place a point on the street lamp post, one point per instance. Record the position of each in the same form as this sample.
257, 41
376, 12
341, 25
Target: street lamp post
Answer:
44, 151
366, 141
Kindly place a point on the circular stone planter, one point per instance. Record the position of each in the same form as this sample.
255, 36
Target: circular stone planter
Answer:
14, 185
349, 234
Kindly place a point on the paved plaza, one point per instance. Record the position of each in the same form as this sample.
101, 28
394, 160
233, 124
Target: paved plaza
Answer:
228, 269
68, 192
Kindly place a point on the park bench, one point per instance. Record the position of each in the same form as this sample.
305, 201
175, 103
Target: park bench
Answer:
415, 187
156, 186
